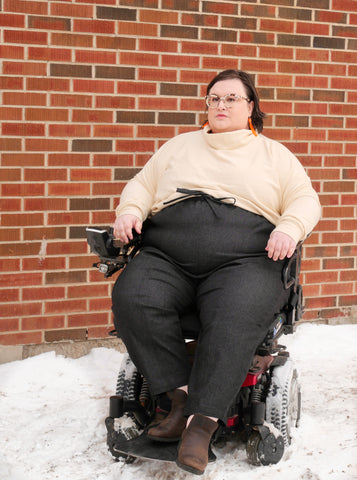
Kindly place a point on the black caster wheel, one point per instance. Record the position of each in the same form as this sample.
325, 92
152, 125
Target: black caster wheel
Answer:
265, 447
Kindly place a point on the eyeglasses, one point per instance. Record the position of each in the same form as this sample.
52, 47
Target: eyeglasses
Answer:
228, 100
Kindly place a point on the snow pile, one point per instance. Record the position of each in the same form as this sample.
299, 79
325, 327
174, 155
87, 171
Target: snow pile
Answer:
53, 409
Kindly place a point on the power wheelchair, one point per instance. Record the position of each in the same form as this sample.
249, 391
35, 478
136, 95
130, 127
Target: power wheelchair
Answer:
267, 407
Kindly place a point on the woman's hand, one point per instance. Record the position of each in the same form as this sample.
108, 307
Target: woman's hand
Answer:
123, 226
280, 245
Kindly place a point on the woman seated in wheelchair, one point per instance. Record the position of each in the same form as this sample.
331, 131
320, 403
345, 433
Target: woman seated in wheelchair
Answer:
223, 207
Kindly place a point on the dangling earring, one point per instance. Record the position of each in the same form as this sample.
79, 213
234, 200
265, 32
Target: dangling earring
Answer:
251, 127
204, 124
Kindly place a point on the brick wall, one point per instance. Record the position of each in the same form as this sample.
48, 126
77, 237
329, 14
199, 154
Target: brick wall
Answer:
91, 88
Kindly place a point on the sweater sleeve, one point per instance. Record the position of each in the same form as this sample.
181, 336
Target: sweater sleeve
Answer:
300, 205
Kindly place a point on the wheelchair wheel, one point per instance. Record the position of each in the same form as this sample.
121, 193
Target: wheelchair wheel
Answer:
283, 402
265, 446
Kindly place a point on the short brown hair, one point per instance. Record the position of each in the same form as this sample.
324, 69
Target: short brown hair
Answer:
251, 92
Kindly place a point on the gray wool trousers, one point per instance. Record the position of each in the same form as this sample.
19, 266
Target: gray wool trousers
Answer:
208, 257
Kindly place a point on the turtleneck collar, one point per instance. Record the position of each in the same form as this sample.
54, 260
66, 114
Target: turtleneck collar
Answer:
228, 140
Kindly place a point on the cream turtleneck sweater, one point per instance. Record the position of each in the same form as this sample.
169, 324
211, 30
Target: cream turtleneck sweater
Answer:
262, 176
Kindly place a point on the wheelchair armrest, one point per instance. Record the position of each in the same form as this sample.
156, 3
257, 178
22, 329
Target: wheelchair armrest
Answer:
113, 253
291, 270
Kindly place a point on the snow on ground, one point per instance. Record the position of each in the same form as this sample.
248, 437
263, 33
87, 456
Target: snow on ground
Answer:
52, 412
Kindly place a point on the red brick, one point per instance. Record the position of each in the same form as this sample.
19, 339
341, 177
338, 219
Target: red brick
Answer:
45, 145
65, 306
153, 131
20, 309
326, 148
25, 6
68, 159
113, 131
25, 37
68, 218
50, 84
113, 159
22, 98
340, 186
7, 113
99, 304
95, 86
349, 199
12, 51
93, 26
49, 23
136, 88
312, 55
46, 114
10, 20
98, 332
308, 28
23, 190
312, 82
70, 334
10, 235
8, 325
348, 275
10, 204
68, 10
9, 295
134, 145
148, 59
10, 175
257, 65
69, 130
48, 263
277, 25
72, 40
72, 189
11, 83
42, 293
327, 122
23, 129
338, 263
113, 188
320, 302
43, 323
92, 116
347, 300
324, 174
336, 288
341, 109
21, 338
96, 56
185, 61
49, 54
274, 80
329, 69
138, 29
44, 233
321, 277
87, 319
344, 5
69, 100
337, 237
21, 279
85, 291
202, 48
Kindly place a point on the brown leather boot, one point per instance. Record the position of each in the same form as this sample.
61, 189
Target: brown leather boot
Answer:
193, 450
170, 429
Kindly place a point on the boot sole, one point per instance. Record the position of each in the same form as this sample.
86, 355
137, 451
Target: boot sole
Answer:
187, 468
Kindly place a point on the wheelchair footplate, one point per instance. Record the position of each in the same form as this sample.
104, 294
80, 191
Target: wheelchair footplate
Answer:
145, 448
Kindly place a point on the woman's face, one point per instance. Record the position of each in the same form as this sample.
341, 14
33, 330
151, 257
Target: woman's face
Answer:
224, 119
